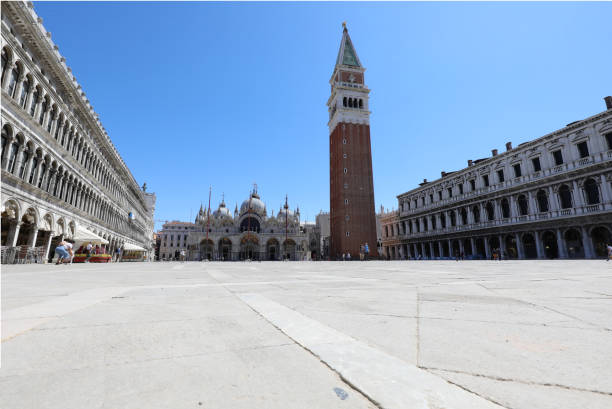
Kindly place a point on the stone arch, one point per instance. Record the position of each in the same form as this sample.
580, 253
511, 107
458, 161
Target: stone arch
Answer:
529, 245
549, 244
273, 249
601, 237
573, 241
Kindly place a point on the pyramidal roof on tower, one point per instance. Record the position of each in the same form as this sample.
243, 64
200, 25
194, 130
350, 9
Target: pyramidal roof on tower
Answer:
347, 54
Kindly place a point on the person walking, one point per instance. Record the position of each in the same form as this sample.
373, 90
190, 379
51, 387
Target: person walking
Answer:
348, 256
343, 256
182, 256
366, 251
361, 256
117, 254
609, 248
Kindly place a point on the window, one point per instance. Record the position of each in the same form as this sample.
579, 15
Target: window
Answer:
24, 160
517, 170
344, 141
583, 149
25, 88
33, 170
558, 157
12, 157
505, 207
423, 201
592, 192
476, 214
43, 111
344, 156
565, 196
453, 218
346, 185
345, 170
433, 222
450, 192
443, 220
542, 199
15, 72
43, 169
536, 164
440, 195
490, 211
500, 175
461, 189
485, 180
523, 205
5, 61
609, 140
34, 102
348, 233
431, 198
473, 184
345, 201
464, 216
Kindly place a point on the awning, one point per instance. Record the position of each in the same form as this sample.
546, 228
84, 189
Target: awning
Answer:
84, 235
132, 247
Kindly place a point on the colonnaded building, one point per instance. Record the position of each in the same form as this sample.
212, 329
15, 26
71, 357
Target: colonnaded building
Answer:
547, 198
247, 234
61, 174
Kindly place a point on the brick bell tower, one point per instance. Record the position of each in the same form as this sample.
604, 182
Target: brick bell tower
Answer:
351, 186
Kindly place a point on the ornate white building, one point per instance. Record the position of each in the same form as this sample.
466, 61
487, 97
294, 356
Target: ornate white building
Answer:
547, 198
248, 233
61, 174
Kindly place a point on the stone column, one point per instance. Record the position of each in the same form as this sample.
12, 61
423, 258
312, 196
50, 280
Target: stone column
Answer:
502, 246
450, 248
18, 160
440, 249
553, 203
519, 247
5, 155
473, 244
539, 245
447, 218
606, 191
33, 236
13, 233
487, 249
578, 201
513, 212
533, 208
47, 246
9, 68
431, 249
561, 244
587, 243
461, 249
422, 249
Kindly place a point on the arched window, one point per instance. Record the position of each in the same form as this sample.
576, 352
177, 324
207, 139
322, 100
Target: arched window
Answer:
433, 223
33, 169
35, 97
505, 206
490, 211
25, 88
344, 102
523, 205
41, 177
43, 111
542, 201
25, 155
565, 197
453, 218
5, 61
13, 156
361, 103
5, 137
53, 113
464, 216
15, 72
592, 192
476, 214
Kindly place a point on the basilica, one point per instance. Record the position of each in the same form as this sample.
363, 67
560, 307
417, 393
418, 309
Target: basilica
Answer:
248, 233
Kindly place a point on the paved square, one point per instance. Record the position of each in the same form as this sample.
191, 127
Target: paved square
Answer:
430, 334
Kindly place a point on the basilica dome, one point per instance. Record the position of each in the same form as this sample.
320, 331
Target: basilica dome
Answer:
257, 206
222, 211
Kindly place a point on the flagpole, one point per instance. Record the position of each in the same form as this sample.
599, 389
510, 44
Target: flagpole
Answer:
208, 214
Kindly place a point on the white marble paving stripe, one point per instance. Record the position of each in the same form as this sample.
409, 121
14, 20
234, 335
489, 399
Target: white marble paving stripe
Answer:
387, 380
19, 320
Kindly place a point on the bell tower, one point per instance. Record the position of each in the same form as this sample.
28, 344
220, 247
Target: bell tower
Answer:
351, 186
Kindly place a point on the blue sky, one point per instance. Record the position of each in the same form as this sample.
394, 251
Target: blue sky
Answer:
227, 94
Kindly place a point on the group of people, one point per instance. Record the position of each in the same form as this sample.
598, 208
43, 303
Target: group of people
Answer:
65, 253
364, 252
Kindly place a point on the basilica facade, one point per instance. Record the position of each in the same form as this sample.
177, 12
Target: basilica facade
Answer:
249, 233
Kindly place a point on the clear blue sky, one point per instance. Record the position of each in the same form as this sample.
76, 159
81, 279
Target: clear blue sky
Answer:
227, 94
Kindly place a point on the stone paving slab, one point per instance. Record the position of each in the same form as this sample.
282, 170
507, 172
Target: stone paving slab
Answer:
517, 334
